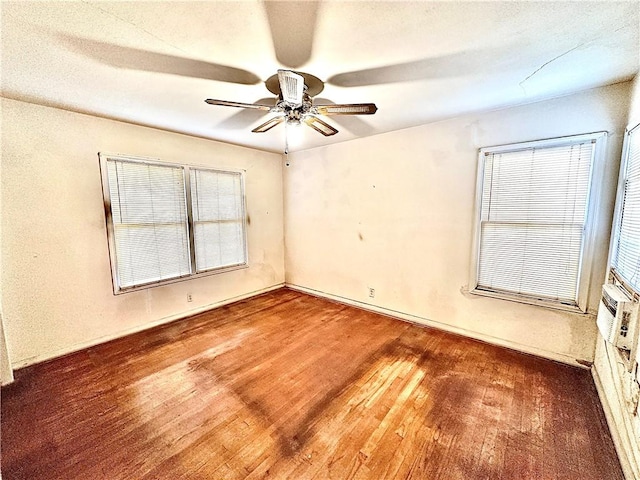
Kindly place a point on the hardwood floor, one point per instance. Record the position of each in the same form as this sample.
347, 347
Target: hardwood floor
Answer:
289, 386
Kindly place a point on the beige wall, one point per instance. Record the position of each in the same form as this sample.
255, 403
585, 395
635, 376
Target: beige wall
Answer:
617, 388
56, 282
634, 109
395, 212
6, 372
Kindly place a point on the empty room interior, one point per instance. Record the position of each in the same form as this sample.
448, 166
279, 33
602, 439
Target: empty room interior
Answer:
320, 240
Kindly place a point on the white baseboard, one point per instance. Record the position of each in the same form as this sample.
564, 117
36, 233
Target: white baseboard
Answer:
616, 435
123, 333
374, 308
558, 357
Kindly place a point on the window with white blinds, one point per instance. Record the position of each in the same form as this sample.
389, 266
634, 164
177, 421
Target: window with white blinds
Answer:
218, 219
149, 216
626, 245
156, 235
532, 220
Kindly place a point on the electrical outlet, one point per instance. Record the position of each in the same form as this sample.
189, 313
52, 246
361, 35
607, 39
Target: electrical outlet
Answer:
372, 292
189, 299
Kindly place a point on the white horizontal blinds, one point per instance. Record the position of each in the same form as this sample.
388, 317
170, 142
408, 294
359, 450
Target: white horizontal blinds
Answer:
218, 219
533, 213
627, 248
149, 214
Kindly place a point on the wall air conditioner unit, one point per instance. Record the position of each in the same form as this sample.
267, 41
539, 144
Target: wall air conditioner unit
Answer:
618, 317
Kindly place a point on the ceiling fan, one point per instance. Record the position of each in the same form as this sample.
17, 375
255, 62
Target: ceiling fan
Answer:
294, 103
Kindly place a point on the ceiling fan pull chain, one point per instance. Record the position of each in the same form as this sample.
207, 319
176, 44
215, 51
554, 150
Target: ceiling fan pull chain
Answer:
286, 140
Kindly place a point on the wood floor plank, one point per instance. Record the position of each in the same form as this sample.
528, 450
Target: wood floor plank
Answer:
291, 386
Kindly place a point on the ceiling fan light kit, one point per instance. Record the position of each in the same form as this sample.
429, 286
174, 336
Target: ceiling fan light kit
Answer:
294, 103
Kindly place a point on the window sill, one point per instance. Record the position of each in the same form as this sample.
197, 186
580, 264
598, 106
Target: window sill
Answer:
539, 302
146, 286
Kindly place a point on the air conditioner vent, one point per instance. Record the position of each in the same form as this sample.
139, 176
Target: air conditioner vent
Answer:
609, 302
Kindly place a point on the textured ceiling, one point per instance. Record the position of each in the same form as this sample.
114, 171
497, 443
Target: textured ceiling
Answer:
154, 63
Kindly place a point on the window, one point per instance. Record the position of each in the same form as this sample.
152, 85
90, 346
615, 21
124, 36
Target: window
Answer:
168, 222
533, 236
625, 259
218, 219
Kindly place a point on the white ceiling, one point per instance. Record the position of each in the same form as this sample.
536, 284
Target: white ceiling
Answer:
154, 62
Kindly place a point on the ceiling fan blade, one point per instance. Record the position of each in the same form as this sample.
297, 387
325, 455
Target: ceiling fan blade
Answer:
320, 126
136, 59
245, 116
347, 109
291, 87
292, 26
226, 103
353, 123
268, 125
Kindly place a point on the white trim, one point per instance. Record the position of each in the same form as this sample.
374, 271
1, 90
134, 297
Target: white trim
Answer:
123, 333
616, 435
415, 319
475, 240
596, 179
514, 297
155, 160
545, 143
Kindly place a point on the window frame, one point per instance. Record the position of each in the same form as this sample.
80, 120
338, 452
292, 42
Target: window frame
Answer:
589, 231
186, 169
617, 215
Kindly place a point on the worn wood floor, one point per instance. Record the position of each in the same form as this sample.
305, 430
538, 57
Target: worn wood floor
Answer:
289, 386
